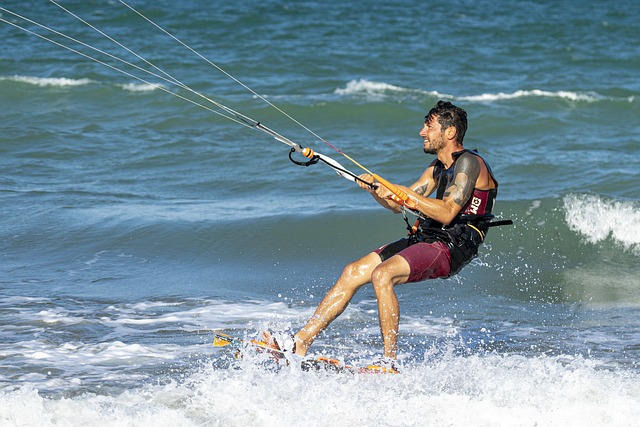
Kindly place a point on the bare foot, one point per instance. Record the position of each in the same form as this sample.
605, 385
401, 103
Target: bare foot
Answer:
269, 342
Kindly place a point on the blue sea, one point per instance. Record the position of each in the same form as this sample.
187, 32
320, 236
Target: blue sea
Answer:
136, 219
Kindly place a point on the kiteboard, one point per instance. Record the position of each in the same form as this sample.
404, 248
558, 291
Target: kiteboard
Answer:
279, 357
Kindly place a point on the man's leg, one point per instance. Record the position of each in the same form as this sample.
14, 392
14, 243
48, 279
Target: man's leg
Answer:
353, 277
418, 262
392, 272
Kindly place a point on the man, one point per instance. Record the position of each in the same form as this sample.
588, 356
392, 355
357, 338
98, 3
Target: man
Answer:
445, 238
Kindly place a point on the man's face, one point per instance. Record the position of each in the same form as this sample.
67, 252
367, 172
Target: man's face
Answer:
432, 136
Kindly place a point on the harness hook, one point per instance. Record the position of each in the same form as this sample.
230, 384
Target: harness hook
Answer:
312, 161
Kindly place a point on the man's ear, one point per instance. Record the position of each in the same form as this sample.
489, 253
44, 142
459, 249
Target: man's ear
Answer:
450, 132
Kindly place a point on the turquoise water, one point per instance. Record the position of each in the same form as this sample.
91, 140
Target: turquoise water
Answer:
134, 222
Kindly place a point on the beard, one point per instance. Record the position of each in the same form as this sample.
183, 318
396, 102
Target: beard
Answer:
432, 147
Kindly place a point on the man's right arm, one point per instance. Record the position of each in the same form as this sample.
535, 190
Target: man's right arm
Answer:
424, 186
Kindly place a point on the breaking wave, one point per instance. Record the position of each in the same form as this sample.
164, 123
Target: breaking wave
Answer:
48, 81
64, 82
597, 219
379, 90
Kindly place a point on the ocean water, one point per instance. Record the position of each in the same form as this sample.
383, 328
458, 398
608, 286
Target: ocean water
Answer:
135, 221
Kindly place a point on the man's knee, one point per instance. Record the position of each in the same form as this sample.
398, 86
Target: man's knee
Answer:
388, 274
359, 269
382, 278
351, 269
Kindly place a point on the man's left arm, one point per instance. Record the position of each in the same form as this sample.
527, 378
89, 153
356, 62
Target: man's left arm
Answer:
457, 194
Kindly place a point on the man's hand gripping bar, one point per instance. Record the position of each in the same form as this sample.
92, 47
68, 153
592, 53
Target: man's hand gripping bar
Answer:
398, 195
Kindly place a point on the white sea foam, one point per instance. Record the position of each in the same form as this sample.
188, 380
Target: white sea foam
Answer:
447, 389
568, 95
456, 391
597, 218
140, 87
367, 87
48, 81
68, 82
374, 90
77, 360
58, 315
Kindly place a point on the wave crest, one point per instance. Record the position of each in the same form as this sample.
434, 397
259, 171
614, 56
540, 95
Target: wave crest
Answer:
140, 87
69, 82
598, 219
48, 81
568, 95
378, 90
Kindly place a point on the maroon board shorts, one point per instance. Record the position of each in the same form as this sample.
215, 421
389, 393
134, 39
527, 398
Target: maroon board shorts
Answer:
426, 260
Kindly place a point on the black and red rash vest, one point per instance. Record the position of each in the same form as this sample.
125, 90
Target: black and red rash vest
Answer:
465, 233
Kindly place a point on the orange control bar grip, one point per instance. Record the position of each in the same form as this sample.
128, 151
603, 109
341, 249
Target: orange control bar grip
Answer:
403, 198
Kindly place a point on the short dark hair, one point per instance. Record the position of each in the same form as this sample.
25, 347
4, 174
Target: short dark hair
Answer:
449, 115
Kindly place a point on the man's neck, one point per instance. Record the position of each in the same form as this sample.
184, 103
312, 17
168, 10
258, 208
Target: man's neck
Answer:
446, 154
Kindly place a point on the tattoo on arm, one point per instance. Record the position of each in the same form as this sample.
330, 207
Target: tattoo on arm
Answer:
426, 184
460, 190
422, 189
466, 174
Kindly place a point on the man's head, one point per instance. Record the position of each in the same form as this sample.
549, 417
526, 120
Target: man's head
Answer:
448, 115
